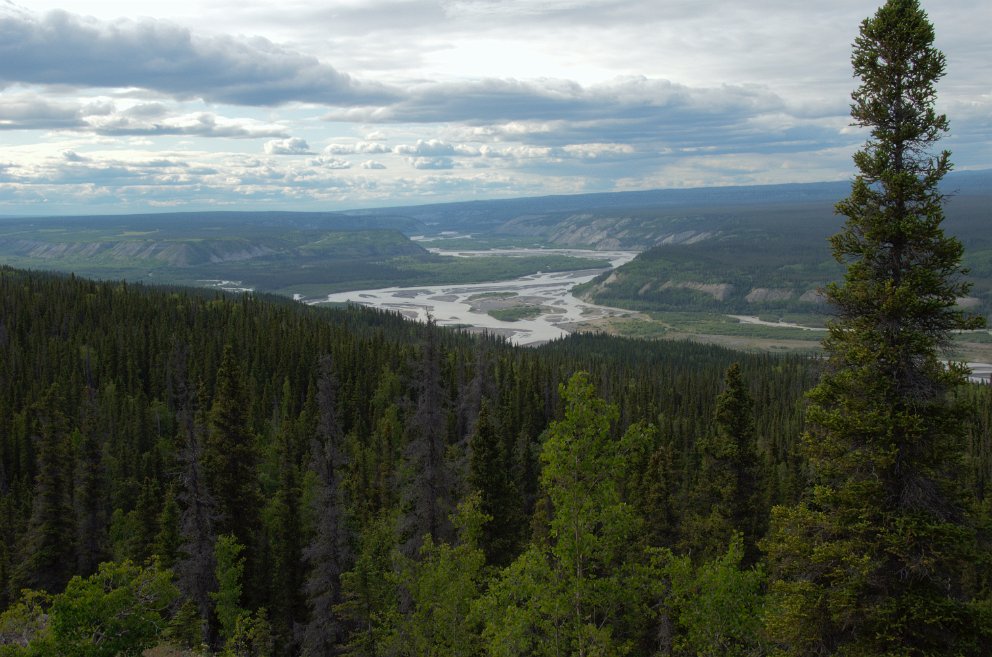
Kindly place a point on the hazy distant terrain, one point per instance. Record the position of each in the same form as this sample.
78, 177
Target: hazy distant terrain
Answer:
715, 251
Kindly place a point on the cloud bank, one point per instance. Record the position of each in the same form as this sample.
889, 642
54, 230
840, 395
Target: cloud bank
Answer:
378, 102
65, 49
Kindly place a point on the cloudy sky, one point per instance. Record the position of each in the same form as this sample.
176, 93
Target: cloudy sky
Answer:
134, 105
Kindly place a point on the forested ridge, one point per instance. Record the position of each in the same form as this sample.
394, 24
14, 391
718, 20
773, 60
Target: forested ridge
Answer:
266, 478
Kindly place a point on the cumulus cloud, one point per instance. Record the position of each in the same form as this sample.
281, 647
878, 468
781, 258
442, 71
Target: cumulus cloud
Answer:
361, 147
599, 151
560, 113
290, 146
31, 112
199, 124
435, 148
65, 49
435, 163
330, 162
372, 164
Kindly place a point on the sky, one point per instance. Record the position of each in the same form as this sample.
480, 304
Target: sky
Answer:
110, 106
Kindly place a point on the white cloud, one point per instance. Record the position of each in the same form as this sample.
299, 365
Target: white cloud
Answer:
441, 99
355, 148
290, 146
200, 124
435, 163
435, 148
330, 162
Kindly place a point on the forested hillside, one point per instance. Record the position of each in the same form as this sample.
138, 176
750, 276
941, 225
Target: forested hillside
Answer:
765, 259
249, 476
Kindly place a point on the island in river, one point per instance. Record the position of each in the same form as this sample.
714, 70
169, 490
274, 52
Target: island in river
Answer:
528, 310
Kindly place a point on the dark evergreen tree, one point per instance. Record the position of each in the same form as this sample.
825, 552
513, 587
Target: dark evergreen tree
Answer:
871, 562
91, 491
195, 566
498, 497
145, 524
369, 594
230, 457
428, 491
168, 539
288, 604
328, 554
650, 486
230, 460
47, 551
726, 494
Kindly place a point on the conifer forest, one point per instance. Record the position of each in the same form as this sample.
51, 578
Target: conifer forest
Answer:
188, 473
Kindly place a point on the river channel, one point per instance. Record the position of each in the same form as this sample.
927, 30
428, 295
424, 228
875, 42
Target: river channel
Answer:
547, 295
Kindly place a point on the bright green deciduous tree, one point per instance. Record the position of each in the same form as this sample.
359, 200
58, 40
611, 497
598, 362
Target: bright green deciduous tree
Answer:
870, 564
716, 606
442, 585
119, 611
580, 593
230, 576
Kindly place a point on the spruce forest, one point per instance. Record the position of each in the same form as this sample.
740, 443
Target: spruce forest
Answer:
185, 473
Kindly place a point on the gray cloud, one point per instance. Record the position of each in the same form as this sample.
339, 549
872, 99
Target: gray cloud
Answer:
65, 49
30, 112
560, 112
199, 124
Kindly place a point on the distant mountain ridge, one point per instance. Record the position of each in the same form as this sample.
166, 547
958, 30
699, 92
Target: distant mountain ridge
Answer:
718, 249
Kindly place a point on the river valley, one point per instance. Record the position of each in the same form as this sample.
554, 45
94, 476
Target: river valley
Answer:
547, 308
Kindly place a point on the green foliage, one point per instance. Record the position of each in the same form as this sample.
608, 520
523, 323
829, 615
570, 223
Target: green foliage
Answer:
230, 574
251, 637
119, 611
185, 628
499, 498
24, 624
726, 494
168, 538
716, 607
139, 374
369, 590
515, 313
441, 584
873, 563
569, 596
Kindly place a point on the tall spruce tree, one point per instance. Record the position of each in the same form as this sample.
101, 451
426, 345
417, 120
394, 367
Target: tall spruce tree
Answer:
870, 563
725, 496
90, 490
498, 497
328, 554
198, 515
48, 545
427, 494
230, 464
